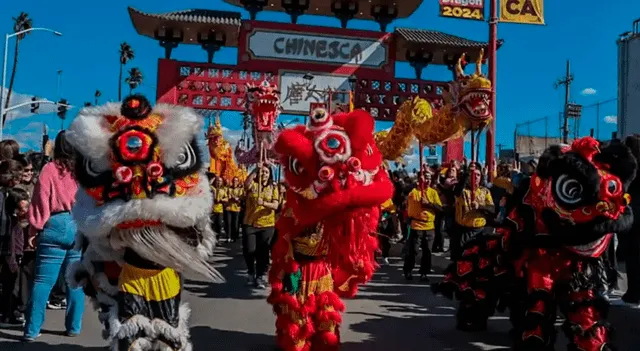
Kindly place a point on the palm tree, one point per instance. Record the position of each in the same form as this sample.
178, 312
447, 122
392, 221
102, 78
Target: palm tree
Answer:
134, 79
126, 54
97, 96
20, 23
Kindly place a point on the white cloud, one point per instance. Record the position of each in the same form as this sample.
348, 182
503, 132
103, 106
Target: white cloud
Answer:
25, 111
589, 91
611, 119
29, 137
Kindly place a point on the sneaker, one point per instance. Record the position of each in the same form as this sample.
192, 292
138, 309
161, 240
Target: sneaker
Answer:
261, 283
55, 305
11, 322
621, 303
385, 261
27, 338
424, 278
614, 293
70, 334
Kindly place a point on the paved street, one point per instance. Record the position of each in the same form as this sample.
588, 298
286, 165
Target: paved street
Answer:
389, 314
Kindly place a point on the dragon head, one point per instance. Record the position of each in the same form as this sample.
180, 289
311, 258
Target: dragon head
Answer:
333, 165
473, 94
143, 185
582, 184
264, 104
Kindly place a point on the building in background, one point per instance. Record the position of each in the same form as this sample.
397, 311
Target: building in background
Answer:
629, 82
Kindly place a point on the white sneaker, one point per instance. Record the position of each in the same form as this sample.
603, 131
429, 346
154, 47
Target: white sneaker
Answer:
614, 293
261, 282
621, 303
385, 261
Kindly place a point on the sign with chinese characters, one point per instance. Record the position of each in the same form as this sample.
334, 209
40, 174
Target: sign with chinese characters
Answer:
300, 89
522, 11
465, 9
273, 44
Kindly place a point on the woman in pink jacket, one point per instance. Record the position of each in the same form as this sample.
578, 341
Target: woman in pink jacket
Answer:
54, 230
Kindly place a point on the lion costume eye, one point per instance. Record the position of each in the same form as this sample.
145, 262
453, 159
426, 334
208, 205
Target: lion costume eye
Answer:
186, 158
295, 166
568, 190
90, 169
613, 187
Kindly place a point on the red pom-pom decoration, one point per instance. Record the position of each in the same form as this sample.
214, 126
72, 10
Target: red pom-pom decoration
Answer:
354, 164
155, 170
124, 174
326, 173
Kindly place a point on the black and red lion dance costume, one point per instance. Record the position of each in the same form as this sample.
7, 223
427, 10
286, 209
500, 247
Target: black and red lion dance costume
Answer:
327, 240
547, 254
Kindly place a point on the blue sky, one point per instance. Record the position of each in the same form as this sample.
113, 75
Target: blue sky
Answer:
530, 61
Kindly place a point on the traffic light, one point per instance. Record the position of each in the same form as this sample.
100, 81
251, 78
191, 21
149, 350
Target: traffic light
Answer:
34, 106
62, 108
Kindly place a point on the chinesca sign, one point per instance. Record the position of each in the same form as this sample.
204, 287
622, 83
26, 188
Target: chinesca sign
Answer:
522, 11
273, 44
298, 93
465, 9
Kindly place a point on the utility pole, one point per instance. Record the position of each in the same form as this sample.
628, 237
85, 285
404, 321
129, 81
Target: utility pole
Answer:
58, 85
566, 81
598, 120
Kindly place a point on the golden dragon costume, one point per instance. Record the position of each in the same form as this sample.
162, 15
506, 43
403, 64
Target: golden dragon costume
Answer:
465, 108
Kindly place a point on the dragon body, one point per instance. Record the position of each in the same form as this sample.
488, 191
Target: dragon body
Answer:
465, 108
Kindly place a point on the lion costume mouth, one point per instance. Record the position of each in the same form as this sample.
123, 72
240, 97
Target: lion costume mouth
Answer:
328, 183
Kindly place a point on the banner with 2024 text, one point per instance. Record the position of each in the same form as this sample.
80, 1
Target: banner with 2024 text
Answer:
522, 11
463, 9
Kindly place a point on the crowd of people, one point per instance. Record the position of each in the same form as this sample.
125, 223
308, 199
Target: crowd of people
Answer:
37, 237
453, 201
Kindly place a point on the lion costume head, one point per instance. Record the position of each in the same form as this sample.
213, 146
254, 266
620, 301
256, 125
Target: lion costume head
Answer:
143, 184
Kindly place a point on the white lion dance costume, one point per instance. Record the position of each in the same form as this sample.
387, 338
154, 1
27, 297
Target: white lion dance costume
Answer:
143, 214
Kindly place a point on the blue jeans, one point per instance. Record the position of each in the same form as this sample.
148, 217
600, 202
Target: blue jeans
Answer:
53, 255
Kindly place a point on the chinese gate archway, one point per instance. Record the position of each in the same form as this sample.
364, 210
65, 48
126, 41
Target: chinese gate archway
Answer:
305, 62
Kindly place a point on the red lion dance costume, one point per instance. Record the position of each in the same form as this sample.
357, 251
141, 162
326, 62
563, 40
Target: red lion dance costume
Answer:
327, 239
547, 256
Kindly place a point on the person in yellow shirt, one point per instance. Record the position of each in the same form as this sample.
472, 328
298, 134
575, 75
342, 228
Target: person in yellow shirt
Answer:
220, 199
262, 201
474, 210
422, 207
235, 194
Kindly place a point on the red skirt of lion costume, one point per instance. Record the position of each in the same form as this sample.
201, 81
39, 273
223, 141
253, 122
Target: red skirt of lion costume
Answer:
327, 239
547, 256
